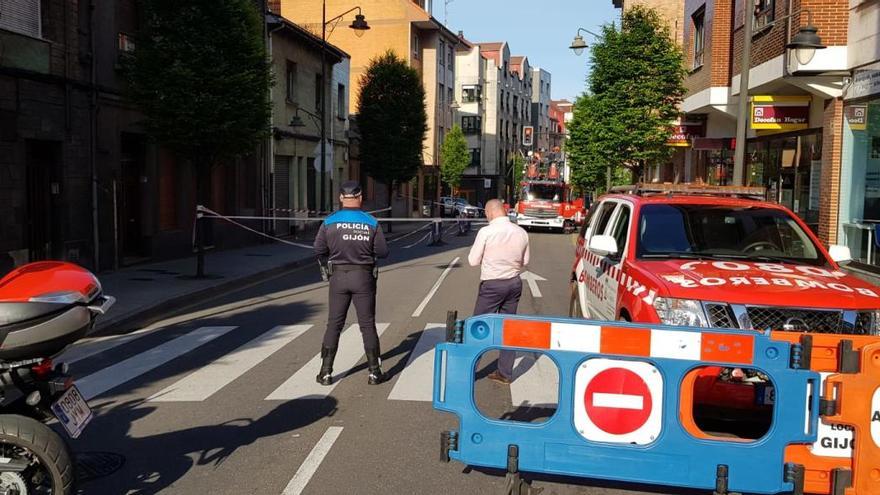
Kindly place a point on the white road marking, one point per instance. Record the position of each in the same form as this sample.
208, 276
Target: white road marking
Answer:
538, 385
532, 280
417, 379
618, 401
99, 382
88, 348
427, 299
208, 380
309, 466
302, 384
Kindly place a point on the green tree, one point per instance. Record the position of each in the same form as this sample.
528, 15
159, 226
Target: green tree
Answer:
392, 120
635, 88
517, 165
454, 158
200, 76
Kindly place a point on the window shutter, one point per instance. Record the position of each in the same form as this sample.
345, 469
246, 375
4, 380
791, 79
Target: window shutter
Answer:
21, 16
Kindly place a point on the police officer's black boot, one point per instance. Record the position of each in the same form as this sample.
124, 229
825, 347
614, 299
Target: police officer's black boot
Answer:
377, 376
325, 376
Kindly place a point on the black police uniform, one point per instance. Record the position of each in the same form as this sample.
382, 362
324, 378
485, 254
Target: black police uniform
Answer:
348, 242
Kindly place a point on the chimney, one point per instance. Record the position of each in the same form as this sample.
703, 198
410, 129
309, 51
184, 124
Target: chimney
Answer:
461, 34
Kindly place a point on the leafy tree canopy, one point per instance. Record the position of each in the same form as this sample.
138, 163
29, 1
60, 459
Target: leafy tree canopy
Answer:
454, 157
392, 119
635, 88
200, 76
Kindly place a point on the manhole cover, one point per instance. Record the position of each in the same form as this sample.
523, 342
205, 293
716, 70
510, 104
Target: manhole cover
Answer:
142, 279
92, 465
259, 255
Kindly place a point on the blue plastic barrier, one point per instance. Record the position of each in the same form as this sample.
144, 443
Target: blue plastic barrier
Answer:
672, 455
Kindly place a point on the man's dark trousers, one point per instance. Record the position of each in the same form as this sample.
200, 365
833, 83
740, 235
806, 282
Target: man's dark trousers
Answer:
352, 283
500, 296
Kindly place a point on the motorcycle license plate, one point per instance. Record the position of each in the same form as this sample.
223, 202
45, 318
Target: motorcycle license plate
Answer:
73, 412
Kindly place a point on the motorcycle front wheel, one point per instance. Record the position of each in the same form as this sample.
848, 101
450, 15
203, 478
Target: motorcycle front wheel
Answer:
28, 443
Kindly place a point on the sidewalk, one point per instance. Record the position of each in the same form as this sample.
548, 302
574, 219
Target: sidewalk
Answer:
146, 293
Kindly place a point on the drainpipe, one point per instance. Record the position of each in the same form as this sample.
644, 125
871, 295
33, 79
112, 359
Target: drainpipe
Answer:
93, 142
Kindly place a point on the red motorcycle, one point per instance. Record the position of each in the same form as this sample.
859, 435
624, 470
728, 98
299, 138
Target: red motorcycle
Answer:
44, 307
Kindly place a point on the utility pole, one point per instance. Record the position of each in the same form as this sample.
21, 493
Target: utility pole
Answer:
323, 94
739, 155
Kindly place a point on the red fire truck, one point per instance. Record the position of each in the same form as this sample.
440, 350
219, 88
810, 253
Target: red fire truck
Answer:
547, 201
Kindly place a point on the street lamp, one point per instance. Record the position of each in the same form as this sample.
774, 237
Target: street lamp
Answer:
578, 44
804, 44
360, 26
297, 121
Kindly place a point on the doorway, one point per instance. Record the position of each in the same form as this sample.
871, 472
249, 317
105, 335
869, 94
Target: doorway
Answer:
135, 249
43, 177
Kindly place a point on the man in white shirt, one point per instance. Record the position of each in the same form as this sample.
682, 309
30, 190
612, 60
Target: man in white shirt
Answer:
501, 249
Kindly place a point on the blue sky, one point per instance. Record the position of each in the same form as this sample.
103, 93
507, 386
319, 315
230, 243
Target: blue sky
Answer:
542, 30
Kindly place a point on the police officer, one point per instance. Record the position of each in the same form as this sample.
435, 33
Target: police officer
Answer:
347, 245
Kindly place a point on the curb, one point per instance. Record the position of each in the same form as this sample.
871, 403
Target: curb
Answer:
165, 309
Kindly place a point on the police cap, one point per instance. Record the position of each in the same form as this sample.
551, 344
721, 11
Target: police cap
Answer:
350, 189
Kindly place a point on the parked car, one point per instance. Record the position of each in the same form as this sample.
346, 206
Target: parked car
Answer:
465, 209
712, 257
447, 206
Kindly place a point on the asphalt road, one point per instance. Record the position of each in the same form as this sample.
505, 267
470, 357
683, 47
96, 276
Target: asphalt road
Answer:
222, 399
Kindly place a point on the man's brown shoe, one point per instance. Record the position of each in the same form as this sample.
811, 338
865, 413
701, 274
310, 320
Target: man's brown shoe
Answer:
496, 376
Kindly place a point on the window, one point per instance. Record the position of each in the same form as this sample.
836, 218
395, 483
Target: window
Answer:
319, 86
441, 52
416, 46
441, 94
21, 16
749, 234
340, 101
450, 57
475, 157
291, 82
470, 94
471, 124
698, 19
601, 220
620, 231
451, 97
764, 13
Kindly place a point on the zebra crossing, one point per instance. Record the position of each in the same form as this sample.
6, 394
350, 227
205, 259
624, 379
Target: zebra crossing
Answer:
536, 374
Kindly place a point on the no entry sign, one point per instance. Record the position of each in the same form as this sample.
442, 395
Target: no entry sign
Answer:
618, 401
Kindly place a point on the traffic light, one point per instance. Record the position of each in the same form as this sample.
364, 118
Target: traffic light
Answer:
528, 135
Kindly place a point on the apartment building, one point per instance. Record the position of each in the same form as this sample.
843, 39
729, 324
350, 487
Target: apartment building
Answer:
296, 120
495, 91
794, 141
79, 179
408, 28
541, 93
671, 11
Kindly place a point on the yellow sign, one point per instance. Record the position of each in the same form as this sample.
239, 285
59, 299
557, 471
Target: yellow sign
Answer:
780, 113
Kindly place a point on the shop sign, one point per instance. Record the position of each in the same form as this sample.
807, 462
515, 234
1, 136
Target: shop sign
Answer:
857, 117
865, 82
685, 130
780, 113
